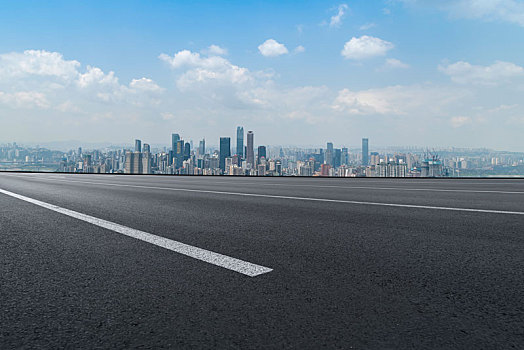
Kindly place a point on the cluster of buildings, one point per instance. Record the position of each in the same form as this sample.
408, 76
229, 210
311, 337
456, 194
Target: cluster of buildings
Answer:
244, 158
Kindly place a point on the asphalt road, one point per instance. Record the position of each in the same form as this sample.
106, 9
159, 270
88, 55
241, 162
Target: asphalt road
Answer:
347, 263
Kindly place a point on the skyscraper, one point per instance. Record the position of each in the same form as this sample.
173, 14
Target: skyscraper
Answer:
202, 147
138, 146
187, 151
137, 163
174, 139
179, 153
345, 156
250, 152
133, 162
329, 154
147, 148
240, 141
365, 152
225, 152
337, 158
261, 153
146, 163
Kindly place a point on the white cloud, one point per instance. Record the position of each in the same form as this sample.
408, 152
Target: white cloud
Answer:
364, 102
299, 49
459, 121
397, 100
367, 26
365, 47
216, 50
499, 72
144, 84
213, 95
95, 76
37, 63
24, 99
393, 63
336, 20
44, 80
183, 58
215, 81
272, 48
203, 70
511, 11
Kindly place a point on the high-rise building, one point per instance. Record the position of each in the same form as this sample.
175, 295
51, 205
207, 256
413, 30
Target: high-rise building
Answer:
328, 159
146, 163
87, 163
261, 153
225, 152
391, 169
147, 148
133, 163
174, 139
337, 157
250, 152
345, 156
187, 150
138, 162
240, 141
138, 146
365, 152
179, 154
431, 167
202, 147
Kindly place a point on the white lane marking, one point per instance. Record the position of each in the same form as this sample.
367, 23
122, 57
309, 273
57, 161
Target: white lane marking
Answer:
232, 182
397, 205
210, 257
371, 180
360, 187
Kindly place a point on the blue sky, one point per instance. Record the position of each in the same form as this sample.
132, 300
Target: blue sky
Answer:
401, 72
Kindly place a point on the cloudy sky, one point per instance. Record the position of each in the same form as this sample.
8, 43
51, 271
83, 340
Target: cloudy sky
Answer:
401, 72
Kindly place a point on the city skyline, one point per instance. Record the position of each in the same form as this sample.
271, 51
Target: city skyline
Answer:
238, 157
297, 74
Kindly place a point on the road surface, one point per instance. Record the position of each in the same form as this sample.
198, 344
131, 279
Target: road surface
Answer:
103, 261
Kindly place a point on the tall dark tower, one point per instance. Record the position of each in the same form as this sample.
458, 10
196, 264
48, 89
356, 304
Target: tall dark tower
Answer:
174, 139
261, 153
179, 154
138, 146
250, 152
329, 154
187, 150
225, 151
240, 141
365, 152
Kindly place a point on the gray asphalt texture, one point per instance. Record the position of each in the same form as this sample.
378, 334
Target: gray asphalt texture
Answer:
344, 275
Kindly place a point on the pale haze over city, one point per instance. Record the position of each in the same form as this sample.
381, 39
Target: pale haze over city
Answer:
402, 73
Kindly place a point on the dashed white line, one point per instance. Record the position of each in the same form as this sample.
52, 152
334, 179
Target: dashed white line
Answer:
397, 205
210, 257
